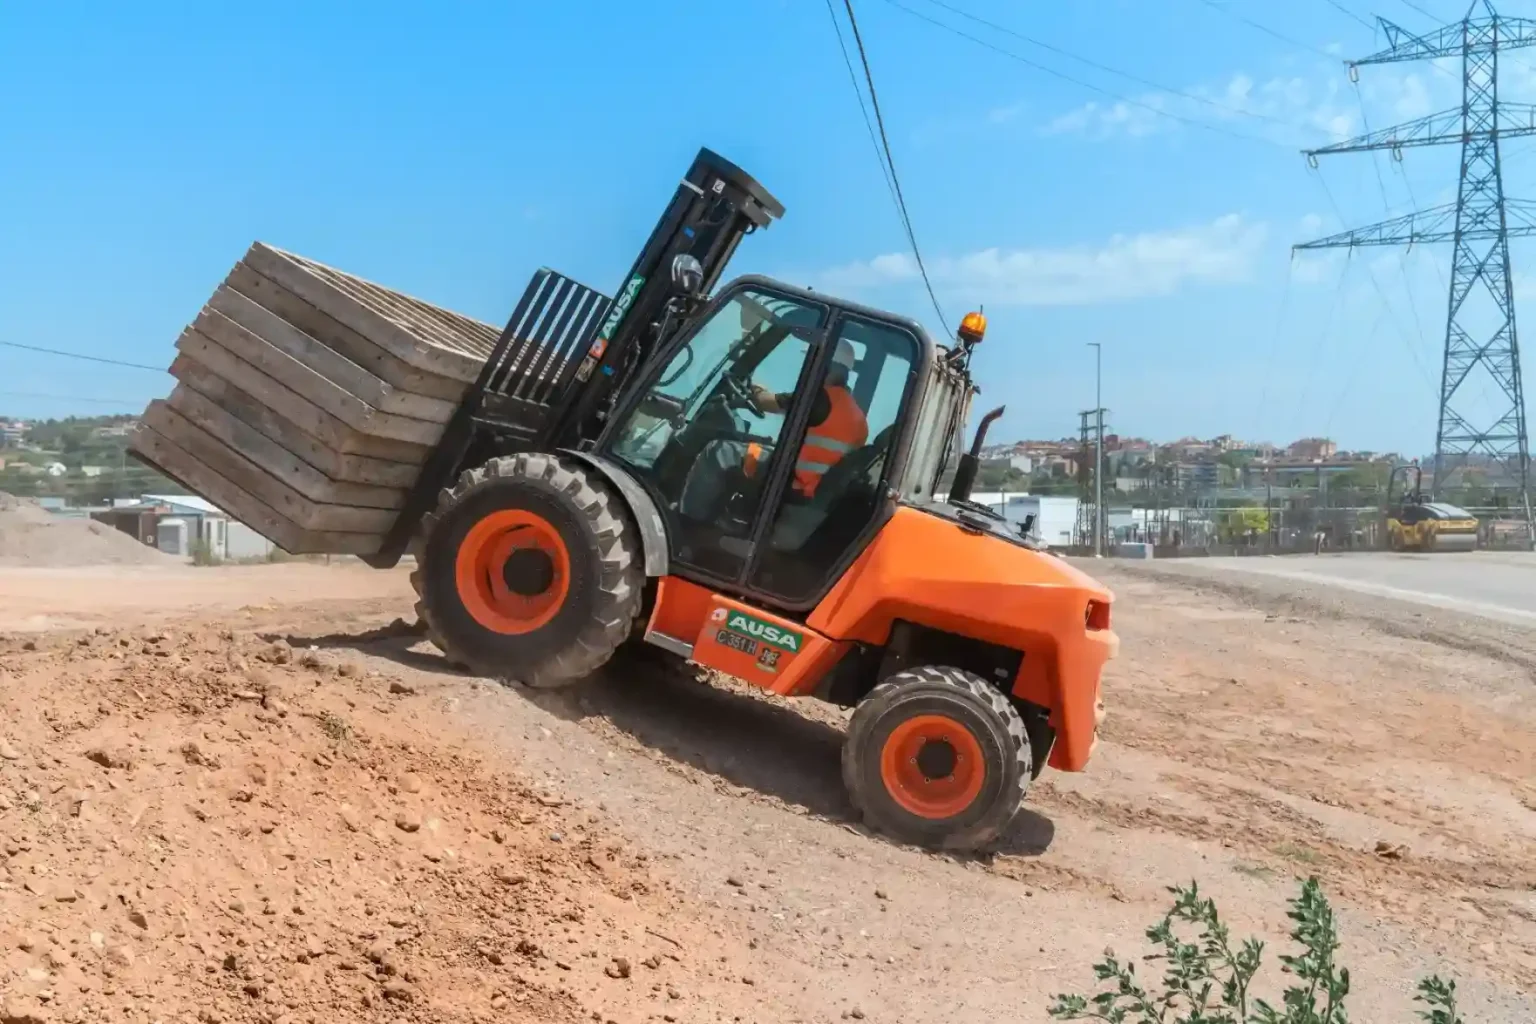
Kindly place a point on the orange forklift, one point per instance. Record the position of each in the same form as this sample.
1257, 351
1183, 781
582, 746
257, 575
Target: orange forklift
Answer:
748, 477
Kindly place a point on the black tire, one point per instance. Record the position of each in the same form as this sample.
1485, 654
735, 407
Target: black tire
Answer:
993, 726
602, 592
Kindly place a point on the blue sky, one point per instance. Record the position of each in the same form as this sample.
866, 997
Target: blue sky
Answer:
450, 154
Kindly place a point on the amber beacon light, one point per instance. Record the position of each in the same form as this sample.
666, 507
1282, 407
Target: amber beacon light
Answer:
973, 327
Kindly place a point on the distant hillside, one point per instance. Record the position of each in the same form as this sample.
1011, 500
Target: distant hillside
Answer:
93, 451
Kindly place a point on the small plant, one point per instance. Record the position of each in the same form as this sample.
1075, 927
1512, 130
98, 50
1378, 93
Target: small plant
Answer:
1253, 870
1292, 851
277, 555
203, 554
1209, 981
1440, 997
334, 726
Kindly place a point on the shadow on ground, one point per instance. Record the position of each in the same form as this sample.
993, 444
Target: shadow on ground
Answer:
767, 744
399, 641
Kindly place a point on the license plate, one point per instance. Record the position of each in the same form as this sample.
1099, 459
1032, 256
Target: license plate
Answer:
736, 642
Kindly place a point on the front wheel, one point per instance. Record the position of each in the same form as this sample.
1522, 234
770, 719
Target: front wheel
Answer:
528, 571
938, 757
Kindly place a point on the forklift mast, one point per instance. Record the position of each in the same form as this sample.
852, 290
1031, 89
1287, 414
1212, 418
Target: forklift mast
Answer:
716, 204
568, 350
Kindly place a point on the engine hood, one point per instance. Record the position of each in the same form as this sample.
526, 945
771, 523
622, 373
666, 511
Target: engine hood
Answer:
981, 520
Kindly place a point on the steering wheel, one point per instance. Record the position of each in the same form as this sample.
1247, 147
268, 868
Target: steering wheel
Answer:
739, 394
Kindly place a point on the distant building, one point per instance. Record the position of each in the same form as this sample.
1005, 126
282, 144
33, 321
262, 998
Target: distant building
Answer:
12, 433
1312, 448
1054, 517
174, 522
1197, 476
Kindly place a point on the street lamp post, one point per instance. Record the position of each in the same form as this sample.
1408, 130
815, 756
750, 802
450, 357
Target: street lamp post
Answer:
1098, 453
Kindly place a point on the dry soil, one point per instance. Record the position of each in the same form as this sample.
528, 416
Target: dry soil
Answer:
243, 795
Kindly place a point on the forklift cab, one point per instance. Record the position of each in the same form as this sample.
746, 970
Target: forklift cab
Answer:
729, 476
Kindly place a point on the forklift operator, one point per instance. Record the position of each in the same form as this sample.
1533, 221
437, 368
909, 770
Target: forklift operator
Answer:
837, 426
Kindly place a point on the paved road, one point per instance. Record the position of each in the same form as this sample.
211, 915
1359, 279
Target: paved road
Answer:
1496, 584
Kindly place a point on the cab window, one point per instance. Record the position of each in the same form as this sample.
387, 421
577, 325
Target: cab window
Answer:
812, 533
704, 435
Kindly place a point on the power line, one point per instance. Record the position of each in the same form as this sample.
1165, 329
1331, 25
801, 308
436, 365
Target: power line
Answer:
1380, 292
869, 126
885, 143
1322, 339
1353, 371
1213, 5
1416, 7
1349, 13
1080, 83
72, 398
83, 356
1107, 69
1274, 342
1438, 20
1386, 206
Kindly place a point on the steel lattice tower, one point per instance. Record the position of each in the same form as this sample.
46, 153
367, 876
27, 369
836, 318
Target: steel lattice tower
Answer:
1480, 224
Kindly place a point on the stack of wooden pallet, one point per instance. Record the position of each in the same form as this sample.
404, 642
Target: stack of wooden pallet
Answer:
308, 399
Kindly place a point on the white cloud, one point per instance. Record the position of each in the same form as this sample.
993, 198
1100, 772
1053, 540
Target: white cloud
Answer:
1289, 109
1316, 267
1312, 107
1524, 286
1413, 99
1108, 120
1125, 267
1011, 112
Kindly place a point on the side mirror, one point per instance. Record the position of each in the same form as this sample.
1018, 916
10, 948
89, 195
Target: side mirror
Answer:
687, 274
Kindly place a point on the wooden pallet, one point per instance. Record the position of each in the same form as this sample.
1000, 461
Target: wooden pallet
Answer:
308, 399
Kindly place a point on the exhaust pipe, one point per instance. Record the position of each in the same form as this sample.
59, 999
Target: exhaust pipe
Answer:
970, 462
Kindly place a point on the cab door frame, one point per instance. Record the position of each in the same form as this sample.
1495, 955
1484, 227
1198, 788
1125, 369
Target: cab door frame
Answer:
780, 469
813, 374
913, 393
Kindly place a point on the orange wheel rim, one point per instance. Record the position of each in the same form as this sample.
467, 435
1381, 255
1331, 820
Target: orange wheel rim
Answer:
932, 766
513, 571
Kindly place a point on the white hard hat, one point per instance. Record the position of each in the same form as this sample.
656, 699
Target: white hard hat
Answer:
844, 354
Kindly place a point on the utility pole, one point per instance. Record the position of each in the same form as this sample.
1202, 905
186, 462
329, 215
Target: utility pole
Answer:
1098, 458
1479, 224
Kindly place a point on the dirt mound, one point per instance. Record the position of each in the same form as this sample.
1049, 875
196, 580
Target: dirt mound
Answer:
30, 535
200, 827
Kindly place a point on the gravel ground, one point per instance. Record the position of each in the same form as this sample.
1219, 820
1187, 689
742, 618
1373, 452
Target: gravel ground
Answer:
1257, 735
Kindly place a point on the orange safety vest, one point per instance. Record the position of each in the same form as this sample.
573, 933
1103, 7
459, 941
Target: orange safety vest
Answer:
844, 429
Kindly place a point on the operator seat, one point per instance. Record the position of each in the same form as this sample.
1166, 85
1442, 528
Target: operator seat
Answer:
842, 494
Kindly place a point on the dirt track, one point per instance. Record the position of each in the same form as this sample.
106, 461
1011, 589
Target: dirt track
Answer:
700, 833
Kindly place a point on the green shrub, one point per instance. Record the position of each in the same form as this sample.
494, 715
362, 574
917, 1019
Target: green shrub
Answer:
1207, 981
203, 554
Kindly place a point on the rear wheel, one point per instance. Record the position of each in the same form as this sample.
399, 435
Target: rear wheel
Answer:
938, 757
528, 572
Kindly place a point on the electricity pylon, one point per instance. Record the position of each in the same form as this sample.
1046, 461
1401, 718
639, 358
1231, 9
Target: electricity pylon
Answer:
1480, 223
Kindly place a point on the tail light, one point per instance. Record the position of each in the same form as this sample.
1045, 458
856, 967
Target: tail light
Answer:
1097, 616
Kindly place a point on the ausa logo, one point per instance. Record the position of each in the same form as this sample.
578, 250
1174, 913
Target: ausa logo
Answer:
767, 632
621, 306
